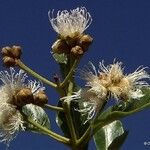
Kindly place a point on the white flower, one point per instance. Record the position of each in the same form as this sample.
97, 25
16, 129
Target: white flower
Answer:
11, 120
89, 103
105, 82
70, 23
13, 82
112, 79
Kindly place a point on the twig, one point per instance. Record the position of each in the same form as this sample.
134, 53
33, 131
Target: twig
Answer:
36, 75
69, 74
54, 107
49, 132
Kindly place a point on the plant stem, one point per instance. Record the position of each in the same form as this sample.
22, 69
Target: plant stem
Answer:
84, 136
36, 75
50, 133
67, 78
66, 107
51, 107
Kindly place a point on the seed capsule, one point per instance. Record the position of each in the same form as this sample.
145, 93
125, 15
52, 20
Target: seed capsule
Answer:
23, 97
85, 41
40, 98
16, 51
8, 61
10, 55
60, 46
6, 51
72, 41
77, 51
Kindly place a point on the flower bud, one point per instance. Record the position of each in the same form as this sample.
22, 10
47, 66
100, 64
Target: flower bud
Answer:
16, 51
8, 61
40, 98
23, 97
72, 41
60, 46
85, 41
77, 51
6, 51
10, 55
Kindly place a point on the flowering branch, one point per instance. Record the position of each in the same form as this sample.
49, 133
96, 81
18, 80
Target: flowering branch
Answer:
30, 71
49, 132
23, 100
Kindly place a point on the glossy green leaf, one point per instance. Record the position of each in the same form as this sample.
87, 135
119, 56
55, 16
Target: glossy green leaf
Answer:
122, 110
118, 141
37, 114
106, 135
60, 58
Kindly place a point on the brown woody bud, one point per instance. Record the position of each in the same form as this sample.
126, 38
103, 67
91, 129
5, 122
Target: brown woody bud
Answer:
40, 98
6, 51
60, 46
85, 41
8, 61
10, 54
16, 51
23, 97
72, 41
77, 51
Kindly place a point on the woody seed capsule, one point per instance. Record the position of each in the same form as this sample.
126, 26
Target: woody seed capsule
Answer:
16, 51
40, 98
77, 51
23, 97
60, 46
8, 61
85, 41
6, 51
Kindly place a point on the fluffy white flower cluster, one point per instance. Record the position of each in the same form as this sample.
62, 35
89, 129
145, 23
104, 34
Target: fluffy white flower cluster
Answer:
112, 80
11, 120
70, 23
109, 81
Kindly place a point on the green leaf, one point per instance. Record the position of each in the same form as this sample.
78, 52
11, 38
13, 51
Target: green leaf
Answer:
122, 110
37, 114
60, 58
118, 141
106, 135
144, 100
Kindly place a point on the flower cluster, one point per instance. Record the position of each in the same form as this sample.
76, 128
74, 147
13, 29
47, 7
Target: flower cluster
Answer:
11, 120
11, 55
70, 23
108, 82
112, 80
70, 26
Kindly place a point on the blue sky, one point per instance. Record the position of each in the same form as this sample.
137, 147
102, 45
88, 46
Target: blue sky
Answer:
121, 30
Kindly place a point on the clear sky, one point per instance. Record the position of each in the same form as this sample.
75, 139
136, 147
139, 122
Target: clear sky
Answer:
121, 30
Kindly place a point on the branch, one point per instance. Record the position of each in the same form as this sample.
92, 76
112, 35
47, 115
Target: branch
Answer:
70, 122
49, 132
36, 75
84, 136
69, 74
